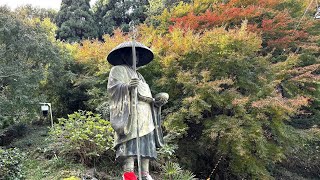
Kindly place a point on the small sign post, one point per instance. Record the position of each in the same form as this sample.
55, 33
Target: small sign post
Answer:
45, 109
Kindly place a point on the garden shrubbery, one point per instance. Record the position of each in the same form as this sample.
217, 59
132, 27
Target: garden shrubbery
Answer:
84, 134
10, 164
12, 132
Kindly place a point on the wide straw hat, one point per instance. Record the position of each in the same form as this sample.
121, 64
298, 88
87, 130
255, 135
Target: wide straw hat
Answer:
116, 54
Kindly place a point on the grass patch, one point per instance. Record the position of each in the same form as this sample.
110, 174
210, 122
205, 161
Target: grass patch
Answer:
40, 163
54, 169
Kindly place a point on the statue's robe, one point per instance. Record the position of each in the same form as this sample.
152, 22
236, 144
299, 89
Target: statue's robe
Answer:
120, 114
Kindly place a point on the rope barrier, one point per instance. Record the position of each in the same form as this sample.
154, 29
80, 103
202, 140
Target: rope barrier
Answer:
305, 12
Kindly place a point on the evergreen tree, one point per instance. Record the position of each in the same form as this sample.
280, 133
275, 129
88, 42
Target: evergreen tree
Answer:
75, 21
103, 19
112, 14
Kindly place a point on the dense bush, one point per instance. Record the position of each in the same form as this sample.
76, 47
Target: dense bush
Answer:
9, 134
84, 134
10, 164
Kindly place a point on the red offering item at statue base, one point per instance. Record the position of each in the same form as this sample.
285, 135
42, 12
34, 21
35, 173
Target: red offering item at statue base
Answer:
129, 176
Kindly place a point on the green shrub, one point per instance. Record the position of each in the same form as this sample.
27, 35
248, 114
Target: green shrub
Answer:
84, 134
10, 164
172, 171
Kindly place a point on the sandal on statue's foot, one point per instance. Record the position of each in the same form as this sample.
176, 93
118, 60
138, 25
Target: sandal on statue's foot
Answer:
129, 176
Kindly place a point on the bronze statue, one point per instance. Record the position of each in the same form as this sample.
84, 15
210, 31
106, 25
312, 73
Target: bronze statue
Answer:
136, 124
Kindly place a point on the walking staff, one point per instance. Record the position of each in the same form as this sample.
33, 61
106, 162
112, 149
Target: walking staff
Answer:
134, 95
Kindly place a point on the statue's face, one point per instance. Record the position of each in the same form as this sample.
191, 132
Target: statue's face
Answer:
127, 57
138, 56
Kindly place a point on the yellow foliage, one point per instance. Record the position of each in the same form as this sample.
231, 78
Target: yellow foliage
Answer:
46, 24
226, 42
71, 48
151, 32
181, 9
91, 51
200, 6
94, 52
164, 20
50, 28
174, 45
72, 178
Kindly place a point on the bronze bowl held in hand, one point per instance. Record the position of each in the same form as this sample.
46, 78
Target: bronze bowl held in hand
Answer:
162, 97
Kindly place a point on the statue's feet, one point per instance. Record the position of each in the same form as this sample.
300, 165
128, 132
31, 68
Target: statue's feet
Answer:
146, 177
129, 176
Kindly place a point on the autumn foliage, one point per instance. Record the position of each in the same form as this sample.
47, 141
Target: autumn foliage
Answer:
277, 27
240, 75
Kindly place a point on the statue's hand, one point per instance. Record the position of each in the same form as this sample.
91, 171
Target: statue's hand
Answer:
160, 102
133, 83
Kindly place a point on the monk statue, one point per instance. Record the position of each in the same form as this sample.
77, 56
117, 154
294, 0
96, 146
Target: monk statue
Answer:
122, 80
